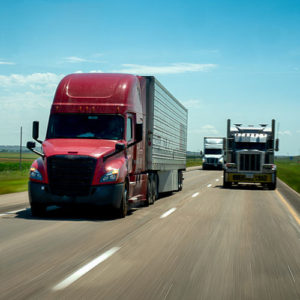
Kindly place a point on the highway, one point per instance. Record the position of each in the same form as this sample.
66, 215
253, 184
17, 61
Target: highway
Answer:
204, 242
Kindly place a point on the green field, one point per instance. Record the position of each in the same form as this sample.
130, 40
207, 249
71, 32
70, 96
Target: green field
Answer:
192, 162
12, 179
289, 172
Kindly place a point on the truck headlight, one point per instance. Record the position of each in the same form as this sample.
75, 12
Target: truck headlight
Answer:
231, 165
35, 174
110, 176
269, 167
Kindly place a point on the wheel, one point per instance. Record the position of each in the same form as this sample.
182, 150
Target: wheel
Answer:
153, 187
37, 210
272, 186
203, 167
226, 184
180, 179
150, 191
123, 210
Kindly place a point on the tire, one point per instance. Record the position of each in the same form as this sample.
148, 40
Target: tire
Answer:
226, 184
123, 210
150, 199
38, 210
180, 179
272, 186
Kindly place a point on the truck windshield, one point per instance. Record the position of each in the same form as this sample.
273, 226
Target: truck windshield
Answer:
252, 146
85, 126
213, 151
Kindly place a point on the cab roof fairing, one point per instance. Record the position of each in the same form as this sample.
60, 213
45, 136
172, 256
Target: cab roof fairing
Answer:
97, 93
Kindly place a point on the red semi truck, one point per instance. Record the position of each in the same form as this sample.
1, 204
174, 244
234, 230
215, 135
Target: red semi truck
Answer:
112, 140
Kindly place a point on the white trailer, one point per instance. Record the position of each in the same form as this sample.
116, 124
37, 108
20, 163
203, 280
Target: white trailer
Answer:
166, 128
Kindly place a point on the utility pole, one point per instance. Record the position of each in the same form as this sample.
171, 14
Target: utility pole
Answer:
20, 164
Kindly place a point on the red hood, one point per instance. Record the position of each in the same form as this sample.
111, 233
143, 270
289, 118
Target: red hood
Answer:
94, 148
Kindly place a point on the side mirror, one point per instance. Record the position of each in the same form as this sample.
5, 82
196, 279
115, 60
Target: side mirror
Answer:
30, 145
277, 145
120, 147
138, 132
201, 153
35, 130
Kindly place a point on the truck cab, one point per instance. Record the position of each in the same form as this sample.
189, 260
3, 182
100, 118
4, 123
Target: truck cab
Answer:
213, 154
250, 155
102, 146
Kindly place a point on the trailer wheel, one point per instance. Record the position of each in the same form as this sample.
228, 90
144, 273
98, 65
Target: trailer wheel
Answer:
37, 210
150, 191
123, 210
180, 180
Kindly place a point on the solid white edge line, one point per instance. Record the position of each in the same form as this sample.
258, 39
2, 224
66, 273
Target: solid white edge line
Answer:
11, 212
195, 195
209, 185
82, 271
168, 212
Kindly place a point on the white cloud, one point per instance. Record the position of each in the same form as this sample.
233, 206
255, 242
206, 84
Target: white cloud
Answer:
96, 71
6, 63
206, 130
175, 68
35, 81
75, 59
285, 132
193, 103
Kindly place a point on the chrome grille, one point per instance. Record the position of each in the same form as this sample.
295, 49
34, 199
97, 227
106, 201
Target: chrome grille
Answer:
249, 162
212, 160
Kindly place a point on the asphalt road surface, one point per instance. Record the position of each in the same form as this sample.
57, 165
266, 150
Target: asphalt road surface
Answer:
204, 242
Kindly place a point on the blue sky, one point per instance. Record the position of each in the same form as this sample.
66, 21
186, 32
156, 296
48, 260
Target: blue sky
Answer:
222, 59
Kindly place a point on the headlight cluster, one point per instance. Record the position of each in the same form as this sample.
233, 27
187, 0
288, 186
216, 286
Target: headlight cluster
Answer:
110, 176
269, 167
35, 174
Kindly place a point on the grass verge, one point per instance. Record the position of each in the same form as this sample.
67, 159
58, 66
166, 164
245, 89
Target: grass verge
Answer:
193, 162
12, 179
289, 172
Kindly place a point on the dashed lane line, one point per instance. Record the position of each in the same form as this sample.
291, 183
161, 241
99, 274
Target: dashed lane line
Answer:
82, 271
167, 213
12, 212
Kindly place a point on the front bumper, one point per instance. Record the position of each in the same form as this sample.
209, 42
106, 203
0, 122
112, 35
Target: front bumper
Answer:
212, 165
104, 195
250, 177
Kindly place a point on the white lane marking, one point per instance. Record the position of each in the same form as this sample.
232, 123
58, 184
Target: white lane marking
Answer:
291, 273
12, 212
209, 185
222, 176
82, 271
167, 213
195, 195
217, 180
